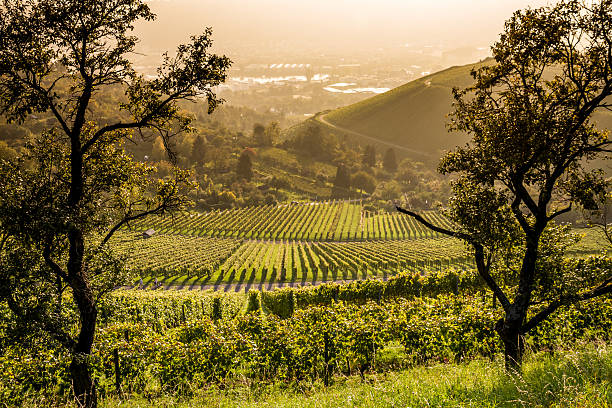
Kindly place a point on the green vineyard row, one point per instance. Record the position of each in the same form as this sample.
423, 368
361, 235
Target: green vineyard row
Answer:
317, 221
230, 260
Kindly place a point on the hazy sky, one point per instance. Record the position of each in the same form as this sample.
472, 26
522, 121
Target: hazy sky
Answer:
332, 23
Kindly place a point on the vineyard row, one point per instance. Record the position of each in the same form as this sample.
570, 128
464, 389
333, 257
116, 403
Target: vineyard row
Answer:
317, 221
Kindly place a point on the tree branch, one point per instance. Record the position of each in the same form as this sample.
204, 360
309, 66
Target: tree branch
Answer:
143, 122
433, 227
483, 271
603, 289
52, 264
131, 218
558, 213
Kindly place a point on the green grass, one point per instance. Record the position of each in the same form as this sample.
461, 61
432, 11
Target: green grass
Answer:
563, 379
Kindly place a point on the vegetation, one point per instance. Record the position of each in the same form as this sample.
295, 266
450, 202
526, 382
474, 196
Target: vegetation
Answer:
309, 288
245, 167
75, 181
314, 346
313, 221
389, 161
567, 378
313, 242
532, 135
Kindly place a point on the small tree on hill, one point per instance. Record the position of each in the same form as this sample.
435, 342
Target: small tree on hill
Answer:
65, 197
259, 134
390, 161
312, 142
272, 134
364, 181
529, 117
342, 182
245, 166
369, 156
198, 151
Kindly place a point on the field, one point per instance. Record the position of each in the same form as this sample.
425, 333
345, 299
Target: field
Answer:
314, 221
576, 378
292, 245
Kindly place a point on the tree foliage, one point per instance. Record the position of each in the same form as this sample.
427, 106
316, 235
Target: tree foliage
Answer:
369, 156
74, 186
342, 181
198, 150
529, 116
245, 166
390, 160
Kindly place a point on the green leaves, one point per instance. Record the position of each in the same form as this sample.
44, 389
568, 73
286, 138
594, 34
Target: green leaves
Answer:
529, 115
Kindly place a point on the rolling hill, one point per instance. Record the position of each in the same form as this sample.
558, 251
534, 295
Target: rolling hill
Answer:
411, 118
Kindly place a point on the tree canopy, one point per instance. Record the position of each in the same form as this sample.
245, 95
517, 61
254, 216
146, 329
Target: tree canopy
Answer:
390, 160
529, 115
244, 167
73, 186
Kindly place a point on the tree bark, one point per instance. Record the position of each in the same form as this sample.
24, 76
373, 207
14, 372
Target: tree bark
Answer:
510, 332
82, 382
510, 328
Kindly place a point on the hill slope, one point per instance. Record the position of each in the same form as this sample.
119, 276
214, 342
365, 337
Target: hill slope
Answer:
412, 118
412, 115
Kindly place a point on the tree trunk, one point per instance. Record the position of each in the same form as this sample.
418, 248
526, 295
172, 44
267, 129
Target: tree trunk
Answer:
82, 382
509, 331
510, 327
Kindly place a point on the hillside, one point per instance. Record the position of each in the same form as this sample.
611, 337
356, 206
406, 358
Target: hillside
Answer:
411, 118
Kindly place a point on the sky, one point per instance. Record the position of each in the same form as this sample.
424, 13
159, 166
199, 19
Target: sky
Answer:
351, 24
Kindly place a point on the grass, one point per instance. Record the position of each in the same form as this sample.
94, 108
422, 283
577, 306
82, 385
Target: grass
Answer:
562, 379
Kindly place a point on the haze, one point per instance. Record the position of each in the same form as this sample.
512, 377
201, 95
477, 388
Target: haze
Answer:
346, 26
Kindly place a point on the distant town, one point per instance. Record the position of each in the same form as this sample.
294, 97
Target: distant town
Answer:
297, 86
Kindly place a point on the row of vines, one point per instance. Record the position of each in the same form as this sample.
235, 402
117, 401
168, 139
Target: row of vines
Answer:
314, 344
215, 261
317, 221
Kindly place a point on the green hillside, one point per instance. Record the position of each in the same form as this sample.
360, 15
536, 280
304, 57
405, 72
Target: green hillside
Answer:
412, 117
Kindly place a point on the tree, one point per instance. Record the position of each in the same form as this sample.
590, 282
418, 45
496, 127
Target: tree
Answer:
390, 161
272, 134
529, 117
364, 181
259, 134
312, 142
369, 156
63, 199
342, 182
198, 151
245, 166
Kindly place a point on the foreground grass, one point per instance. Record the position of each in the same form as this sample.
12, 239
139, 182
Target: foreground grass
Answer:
567, 379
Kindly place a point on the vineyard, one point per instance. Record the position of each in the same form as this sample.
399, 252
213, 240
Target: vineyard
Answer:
316, 221
293, 245
215, 261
